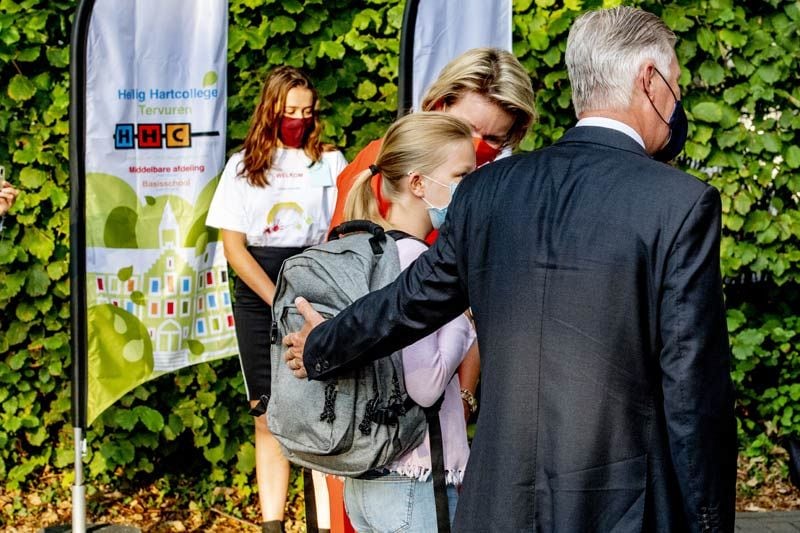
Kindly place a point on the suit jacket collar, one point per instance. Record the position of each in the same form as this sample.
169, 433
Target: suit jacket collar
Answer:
603, 136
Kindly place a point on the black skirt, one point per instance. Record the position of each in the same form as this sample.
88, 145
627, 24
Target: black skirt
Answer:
253, 321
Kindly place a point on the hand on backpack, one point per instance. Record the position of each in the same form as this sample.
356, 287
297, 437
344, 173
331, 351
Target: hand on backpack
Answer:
296, 340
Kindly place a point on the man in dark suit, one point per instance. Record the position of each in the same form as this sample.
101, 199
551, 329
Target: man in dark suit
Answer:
592, 271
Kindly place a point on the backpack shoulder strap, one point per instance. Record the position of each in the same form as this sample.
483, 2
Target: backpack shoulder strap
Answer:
399, 235
437, 466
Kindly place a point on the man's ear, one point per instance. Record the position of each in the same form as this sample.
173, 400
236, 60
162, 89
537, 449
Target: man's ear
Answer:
644, 79
416, 184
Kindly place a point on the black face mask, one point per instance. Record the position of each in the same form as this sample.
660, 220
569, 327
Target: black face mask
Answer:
678, 129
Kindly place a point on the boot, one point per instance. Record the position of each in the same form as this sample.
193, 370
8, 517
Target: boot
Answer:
273, 526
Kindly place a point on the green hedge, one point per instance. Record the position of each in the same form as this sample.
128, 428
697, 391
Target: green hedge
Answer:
740, 89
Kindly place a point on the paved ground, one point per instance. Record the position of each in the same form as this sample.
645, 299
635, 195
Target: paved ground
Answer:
774, 522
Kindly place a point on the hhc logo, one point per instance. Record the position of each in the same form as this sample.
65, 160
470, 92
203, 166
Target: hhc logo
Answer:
144, 136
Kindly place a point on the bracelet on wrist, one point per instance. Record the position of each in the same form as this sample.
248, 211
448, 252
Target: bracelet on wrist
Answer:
470, 400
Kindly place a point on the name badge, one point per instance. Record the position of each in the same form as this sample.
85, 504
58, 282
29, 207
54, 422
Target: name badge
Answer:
319, 175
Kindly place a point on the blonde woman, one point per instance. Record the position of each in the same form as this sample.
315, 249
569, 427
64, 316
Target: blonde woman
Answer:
422, 160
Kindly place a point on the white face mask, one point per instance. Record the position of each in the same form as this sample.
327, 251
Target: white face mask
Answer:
438, 214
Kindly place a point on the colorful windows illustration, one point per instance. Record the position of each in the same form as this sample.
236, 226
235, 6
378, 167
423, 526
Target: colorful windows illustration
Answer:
169, 283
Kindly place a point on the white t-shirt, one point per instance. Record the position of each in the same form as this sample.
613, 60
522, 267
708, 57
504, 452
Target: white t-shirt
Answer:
294, 209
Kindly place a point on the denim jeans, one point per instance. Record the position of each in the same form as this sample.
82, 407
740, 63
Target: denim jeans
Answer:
394, 503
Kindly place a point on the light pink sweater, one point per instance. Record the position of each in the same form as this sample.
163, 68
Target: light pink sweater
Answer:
429, 366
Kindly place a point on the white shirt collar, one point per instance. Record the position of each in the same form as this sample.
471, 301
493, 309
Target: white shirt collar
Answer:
610, 123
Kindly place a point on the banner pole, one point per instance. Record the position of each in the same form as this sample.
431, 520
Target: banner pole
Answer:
405, 77
77, 224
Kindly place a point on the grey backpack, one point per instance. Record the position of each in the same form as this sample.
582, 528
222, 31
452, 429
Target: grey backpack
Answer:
363, 418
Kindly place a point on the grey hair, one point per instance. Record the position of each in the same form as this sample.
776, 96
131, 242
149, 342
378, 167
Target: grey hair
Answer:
606, 49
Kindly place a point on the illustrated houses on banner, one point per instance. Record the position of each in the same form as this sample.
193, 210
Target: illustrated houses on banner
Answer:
175, 301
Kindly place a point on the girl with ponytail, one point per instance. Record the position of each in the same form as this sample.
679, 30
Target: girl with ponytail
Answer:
422, 159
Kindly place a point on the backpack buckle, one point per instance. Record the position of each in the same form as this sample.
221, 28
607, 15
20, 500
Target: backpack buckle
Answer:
388, 416
375, 242
273, 333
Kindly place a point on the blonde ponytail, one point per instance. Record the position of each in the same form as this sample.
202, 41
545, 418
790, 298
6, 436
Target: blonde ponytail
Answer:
361, 203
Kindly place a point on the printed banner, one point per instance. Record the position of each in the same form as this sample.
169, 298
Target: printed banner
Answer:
157, 284
447, 28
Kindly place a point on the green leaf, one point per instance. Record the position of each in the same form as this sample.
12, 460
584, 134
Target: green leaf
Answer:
735, 94
26, 311
735, 319
21, 88
11, 283
17, 361
757, 221
56, 341
538, 39
210, 79
732, 38
750, 337
675, 18
771, 142
792, 156
58, 56
137, 297
121, 453
246, 458
125, 273
38, 281
707, 40
707, 112
125, 418
151, 418
769, 73
712, 73
292, 6
366, 90
38, 243
8, 251
196, 347
282, 24
29, 54
742, 203
214, 455
57, 269
32, 178
331, 49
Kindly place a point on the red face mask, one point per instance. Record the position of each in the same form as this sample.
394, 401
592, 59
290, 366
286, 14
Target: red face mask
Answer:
293, 131
484, 152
